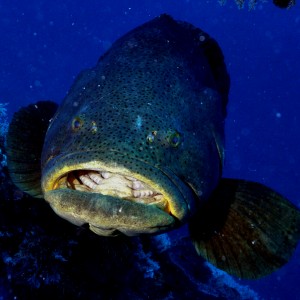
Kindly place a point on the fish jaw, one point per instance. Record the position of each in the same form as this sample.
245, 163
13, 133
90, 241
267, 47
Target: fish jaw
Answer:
107, 215
131, 198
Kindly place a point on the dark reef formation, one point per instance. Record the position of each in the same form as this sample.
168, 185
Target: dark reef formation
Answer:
43, 256
252, 3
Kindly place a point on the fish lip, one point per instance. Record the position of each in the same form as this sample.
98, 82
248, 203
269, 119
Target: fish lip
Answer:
107, 215
178, 192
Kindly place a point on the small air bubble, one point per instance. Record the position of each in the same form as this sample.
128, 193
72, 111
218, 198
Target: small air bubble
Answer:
202, 38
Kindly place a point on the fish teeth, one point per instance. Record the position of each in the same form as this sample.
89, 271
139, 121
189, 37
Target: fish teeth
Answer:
149, 193
142, 194
96, 177
158, 197
137, 185
87, 181
136, 194
105, 175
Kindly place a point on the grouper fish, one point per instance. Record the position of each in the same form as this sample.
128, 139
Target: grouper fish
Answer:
137, 147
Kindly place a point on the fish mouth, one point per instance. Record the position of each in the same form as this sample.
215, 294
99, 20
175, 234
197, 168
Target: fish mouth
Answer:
115, 193
127, 188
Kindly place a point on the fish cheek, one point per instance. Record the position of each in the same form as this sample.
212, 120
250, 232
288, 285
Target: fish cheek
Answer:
198, 165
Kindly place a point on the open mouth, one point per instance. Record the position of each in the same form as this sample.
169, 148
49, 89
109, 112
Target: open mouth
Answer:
113, 184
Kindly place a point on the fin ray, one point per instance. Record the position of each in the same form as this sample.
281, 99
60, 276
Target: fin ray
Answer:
25, 141
246, 229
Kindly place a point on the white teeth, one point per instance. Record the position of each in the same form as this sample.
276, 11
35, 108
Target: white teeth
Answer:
137, 185
105, 175
125, 187
87, 181
142, 194
136, 194
149, 193
158, 197
96, 177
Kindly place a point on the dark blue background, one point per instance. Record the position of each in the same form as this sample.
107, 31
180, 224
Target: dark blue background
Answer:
44, 45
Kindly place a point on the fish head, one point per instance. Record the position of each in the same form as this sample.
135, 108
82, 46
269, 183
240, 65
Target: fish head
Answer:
111, 175
126, 169
132, 148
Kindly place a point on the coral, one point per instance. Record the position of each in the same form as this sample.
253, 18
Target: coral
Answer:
224, 281
38, 260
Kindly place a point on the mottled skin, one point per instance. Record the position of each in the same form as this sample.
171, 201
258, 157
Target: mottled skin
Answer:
156, 80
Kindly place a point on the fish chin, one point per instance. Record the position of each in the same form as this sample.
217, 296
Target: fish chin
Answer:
109, 215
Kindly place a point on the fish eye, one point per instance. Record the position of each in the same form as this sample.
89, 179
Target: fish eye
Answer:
175, 139
77, 123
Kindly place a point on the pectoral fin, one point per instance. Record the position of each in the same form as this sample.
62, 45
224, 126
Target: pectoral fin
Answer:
246, 229
25, 141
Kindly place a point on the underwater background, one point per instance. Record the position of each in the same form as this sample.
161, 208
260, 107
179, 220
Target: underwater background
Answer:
45, 44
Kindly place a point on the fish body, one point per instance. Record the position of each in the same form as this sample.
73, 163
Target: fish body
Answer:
137, 147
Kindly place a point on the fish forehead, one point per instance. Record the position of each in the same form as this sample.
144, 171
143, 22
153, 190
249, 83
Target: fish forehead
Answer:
145, 83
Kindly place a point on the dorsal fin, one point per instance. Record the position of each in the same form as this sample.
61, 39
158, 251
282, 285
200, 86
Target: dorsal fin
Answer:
25, 141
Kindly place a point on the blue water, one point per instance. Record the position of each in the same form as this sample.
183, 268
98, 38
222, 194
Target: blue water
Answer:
44, 45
